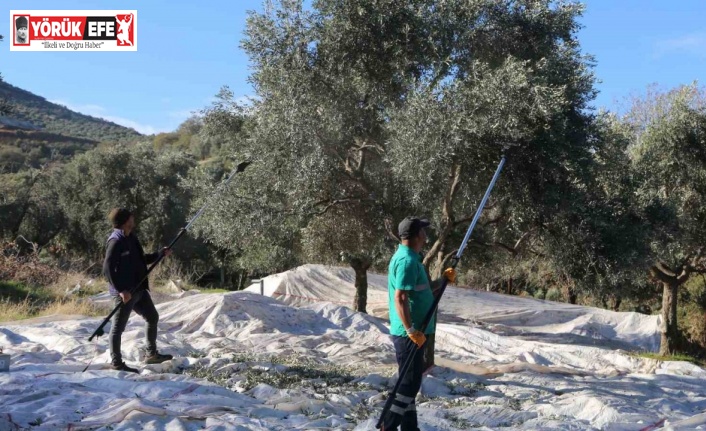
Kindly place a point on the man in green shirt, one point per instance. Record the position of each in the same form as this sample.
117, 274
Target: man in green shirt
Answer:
410, 298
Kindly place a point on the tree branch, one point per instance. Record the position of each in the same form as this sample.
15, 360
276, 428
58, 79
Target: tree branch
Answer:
444, 259
469, 219
364, 145
661, 266
463, 221
696, 261
448, 256
447, 219
660, 275
684, 275
522, 239
390, 231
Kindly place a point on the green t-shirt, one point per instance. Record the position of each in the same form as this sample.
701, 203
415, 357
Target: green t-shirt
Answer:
406, 272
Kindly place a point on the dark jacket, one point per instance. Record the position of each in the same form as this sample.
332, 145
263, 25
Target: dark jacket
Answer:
125, 263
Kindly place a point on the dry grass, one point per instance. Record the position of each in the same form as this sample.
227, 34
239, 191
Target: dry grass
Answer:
19, 301
10, 311
675, 357
27, 309
169, 269
36, 289
68, 281
74, 306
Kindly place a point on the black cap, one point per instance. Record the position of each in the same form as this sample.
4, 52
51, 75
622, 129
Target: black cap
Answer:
410, 227
21, 22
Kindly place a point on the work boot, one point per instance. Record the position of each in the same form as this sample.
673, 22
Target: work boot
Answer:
157, 358
123, 367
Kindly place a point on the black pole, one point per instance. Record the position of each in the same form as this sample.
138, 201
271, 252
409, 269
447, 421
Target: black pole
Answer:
99, 331
435, 304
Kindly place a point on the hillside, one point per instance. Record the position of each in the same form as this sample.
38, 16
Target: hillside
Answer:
38, 131
58, 119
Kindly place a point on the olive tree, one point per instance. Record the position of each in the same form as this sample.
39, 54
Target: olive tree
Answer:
668, 156
524, 83
135, 177
324, 79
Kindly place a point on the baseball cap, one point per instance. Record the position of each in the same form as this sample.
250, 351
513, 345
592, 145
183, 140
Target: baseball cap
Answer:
410, 226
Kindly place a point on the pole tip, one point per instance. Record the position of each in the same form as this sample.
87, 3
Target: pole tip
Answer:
241, 167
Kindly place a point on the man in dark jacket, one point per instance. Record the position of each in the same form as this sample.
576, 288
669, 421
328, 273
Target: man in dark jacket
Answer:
125, 266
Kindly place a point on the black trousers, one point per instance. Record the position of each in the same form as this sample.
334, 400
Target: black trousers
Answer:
403, 412
142, 304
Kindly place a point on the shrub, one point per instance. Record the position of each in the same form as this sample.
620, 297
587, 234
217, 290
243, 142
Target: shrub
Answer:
553, 294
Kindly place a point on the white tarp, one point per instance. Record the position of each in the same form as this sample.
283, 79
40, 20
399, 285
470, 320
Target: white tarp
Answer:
485, 379
312, 284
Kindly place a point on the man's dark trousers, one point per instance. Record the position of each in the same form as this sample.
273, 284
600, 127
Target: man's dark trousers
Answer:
403, 410
142, 303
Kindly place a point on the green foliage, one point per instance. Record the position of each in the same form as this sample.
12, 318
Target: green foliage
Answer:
20, 149
368, 111
15, 195
249, 227
692, 316
208, 134
527, 85
5, 106
319, 119
344, 234
134, 177
676, 357
17, 292
601, 243
553, 294
669, 158
164, 140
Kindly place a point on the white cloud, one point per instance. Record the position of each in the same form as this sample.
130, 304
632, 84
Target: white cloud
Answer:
691, 44
183, 114
145, 129
101, 112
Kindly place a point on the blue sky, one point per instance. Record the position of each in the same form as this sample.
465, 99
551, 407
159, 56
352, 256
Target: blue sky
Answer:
188, 50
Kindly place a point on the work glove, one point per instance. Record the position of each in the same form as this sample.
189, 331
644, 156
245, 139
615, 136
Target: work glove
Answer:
417, 337
450, 275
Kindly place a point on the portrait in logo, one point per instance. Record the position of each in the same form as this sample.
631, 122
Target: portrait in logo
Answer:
22, 30
124, 29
